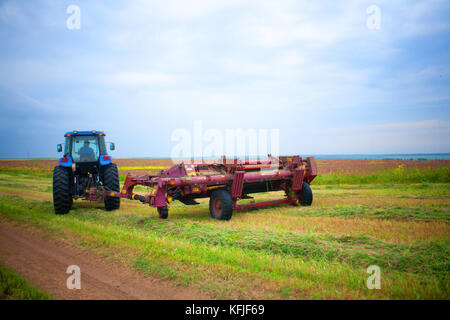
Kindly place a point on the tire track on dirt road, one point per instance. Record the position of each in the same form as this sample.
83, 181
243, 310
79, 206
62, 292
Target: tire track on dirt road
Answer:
44, 262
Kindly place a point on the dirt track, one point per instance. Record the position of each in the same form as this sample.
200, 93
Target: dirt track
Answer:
44, 263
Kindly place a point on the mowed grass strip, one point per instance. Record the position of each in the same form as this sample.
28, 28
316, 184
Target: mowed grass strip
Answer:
389, 230
358, 251
397, 229
243, 263
14, 287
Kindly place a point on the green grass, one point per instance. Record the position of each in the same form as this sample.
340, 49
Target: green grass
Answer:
399, 175
356, 251
400, 191
274, 253
381, 211
396, 175
13, 287
34, 172
232, 262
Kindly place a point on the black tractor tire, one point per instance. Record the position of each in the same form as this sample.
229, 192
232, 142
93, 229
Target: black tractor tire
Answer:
221, 205
163, 212
305, 196
62, 196
111, 183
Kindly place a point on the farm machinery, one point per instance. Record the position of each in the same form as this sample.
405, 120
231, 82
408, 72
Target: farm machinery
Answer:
92, 176
225, 182
85, 171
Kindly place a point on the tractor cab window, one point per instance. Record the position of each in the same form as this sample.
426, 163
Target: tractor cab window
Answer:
85, 148
102, 146
67, 146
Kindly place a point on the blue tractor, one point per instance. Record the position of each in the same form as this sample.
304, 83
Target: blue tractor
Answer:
85, 171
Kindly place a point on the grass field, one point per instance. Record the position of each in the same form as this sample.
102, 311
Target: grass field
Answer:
392, 214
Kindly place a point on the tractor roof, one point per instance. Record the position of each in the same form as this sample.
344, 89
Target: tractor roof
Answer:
84, 133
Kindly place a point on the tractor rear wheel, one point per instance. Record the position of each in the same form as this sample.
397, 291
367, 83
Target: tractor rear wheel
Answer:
221, 205
111, 183
62, 197
305, 196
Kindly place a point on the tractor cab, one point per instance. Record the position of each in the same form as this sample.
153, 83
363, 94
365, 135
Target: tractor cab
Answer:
86, 148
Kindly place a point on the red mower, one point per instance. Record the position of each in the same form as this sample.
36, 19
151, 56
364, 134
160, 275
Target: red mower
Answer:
225, 182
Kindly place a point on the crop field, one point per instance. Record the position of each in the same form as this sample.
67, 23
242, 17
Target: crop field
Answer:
388, 213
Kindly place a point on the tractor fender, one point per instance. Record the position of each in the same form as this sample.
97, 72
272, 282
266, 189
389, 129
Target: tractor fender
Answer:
65, 162
105, 160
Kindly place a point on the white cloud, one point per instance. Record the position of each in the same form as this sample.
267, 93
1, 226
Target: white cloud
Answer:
138, 79
398, 137
309, 24
174, 10
180, 10
286, 63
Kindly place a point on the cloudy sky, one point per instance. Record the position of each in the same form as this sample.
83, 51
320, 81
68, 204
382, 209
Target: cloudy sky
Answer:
333, 77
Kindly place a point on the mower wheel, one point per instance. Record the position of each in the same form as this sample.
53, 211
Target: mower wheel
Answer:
305, 196
163, 212
111, 181
62, 197
221, 205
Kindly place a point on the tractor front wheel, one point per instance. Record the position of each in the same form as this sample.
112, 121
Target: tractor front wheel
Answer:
221, 205
62, 197
111, 183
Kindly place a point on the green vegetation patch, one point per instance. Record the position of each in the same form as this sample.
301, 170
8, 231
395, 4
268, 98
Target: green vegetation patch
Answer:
13, 287
424, 258
29, 171
395, 175
381, 211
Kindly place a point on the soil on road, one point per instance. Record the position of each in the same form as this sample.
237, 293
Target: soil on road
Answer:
44, 262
